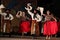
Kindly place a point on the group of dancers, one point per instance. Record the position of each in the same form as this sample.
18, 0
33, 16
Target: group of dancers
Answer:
32, 24
49, 26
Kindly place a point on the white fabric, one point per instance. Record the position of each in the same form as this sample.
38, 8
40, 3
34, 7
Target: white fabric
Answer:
4, 28
7, 18
41, 9
34, 29
39, 18
42, 30
2, 6
28, 4
29, 8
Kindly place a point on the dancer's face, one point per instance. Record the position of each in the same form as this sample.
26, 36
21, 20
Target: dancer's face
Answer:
48, 12
7, 11
23, 14
35, 11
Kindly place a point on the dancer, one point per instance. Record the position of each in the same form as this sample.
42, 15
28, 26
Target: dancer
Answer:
1, 17
24, 27
50, 25
41, 10
36, 18
7, 20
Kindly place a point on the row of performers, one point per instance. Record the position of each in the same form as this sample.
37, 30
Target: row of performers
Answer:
32, 25
49, 24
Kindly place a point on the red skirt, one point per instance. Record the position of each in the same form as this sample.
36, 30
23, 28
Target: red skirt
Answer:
58, 26
50, 28
24, 26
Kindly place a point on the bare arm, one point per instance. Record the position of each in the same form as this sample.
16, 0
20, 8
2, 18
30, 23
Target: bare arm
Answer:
28, 10
44, 14
17, 15
3, 14
54, 18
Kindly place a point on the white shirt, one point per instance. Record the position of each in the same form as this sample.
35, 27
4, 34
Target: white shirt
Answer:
38, 19
7, 18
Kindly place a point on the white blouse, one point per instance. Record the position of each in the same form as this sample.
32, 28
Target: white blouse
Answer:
38, 19
7, 18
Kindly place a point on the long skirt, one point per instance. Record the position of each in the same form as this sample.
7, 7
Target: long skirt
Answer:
58, 26
50, 28
24, 26
35, 28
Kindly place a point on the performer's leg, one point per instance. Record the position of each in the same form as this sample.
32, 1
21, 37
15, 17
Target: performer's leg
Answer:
22, 33
4, 28
47, 37
37, 29
8, 27
32, 29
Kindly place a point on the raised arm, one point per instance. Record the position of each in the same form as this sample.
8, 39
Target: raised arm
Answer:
41, 9
11, 17
54, 18
29, 10
19, 13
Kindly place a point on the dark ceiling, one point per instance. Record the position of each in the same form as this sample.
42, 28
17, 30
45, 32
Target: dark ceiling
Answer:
17, 4
53, 5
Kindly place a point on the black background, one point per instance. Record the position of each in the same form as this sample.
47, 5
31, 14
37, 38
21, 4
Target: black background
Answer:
53, 5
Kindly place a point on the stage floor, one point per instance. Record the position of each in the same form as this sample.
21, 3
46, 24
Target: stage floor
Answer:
19, 37
41, 38
28, 38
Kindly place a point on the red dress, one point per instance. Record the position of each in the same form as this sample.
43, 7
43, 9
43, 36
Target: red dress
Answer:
58, 26
50, 28
24, 26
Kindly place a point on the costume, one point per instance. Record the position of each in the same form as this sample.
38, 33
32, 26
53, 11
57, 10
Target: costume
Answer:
58, 23
24, 26
6, 22
50, 26
36, 18
35, 23
1, 17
